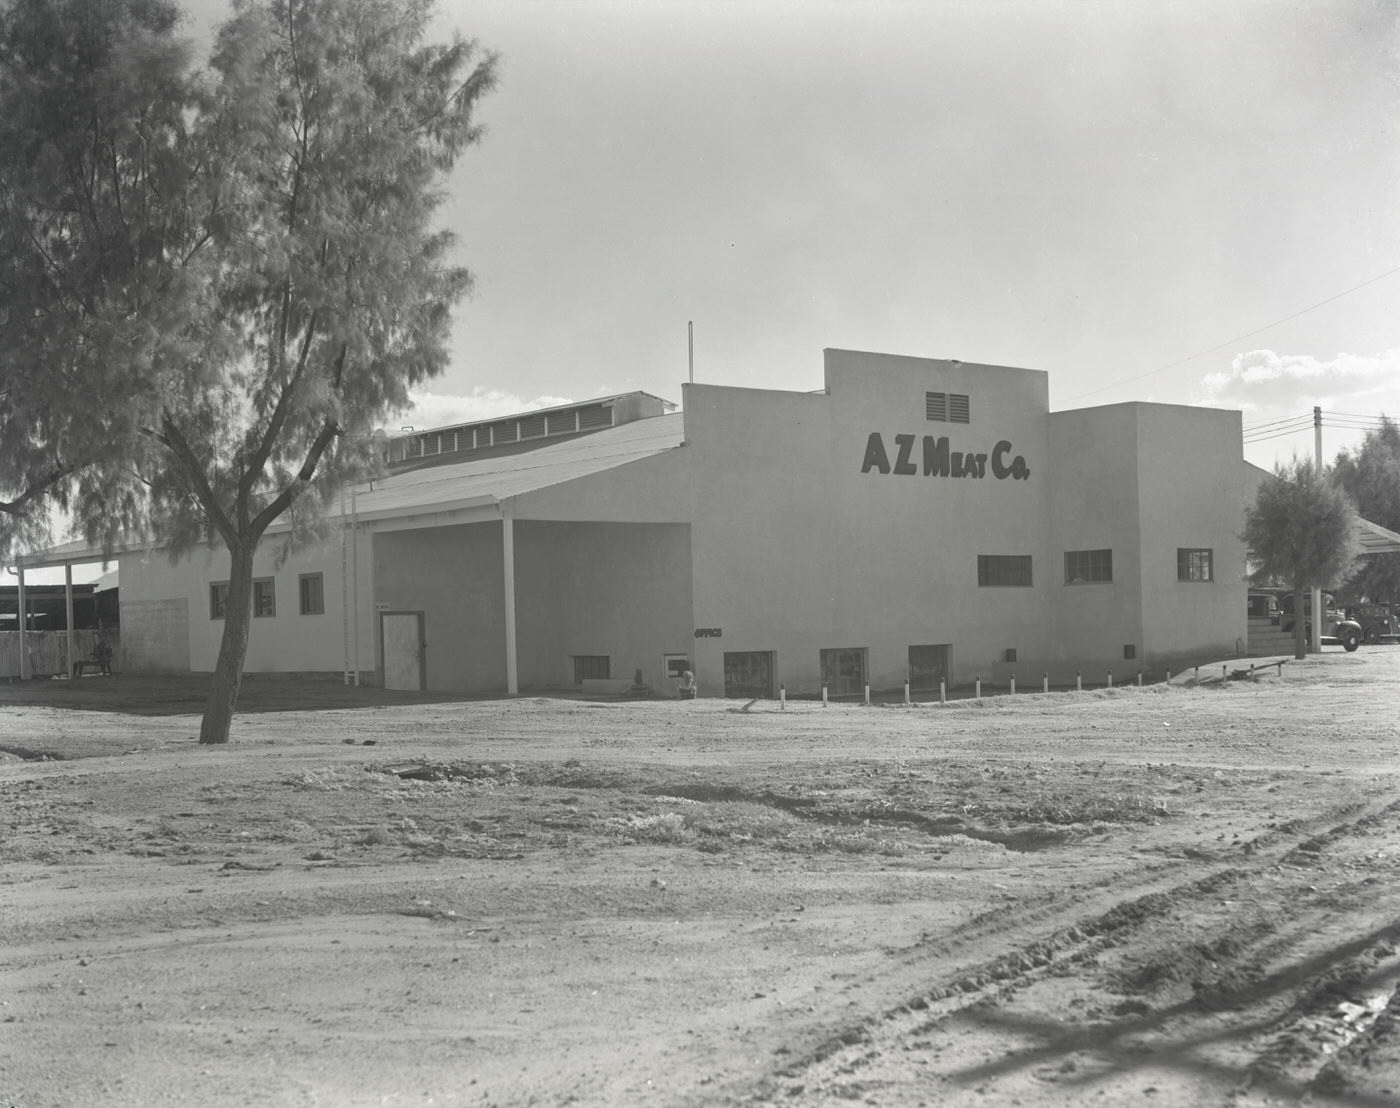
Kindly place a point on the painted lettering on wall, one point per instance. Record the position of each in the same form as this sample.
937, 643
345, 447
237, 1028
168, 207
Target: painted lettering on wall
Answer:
937, 459
708, 633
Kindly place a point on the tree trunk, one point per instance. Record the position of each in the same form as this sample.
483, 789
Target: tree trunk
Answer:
1300, 622
228, 672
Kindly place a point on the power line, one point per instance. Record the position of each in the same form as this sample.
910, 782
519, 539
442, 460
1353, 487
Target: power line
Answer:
1239, 338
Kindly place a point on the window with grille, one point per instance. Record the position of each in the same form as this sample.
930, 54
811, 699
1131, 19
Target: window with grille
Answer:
947, 407
1088, 567
591, 667
264, 597
312, 588
218, 599
1004, 569
1195, 565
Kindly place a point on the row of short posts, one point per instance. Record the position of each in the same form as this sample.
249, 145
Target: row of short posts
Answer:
977, 685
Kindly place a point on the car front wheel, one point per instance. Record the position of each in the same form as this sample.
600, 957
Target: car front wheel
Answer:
1351, 639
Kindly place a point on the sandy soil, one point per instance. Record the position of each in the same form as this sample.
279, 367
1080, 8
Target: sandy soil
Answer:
1176, 896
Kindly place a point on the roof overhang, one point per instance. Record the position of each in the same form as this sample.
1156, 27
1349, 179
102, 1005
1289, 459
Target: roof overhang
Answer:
1375, 539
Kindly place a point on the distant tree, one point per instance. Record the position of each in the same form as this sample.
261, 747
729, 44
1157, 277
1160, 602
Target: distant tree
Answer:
1301, 532
96, 259
1371, 477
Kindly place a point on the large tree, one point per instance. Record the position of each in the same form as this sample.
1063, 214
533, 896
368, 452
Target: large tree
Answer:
331, 130
98, 262
1372, 478
298, 285
1300, 532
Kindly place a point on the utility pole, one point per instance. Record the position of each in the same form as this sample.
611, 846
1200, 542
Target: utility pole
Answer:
1316, 644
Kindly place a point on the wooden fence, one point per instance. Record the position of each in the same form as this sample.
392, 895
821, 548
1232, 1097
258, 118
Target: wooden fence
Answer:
47, 651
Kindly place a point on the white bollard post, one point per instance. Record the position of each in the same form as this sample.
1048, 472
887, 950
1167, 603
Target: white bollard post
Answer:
979, 687
1169, 677
1110, 679
1139, 676
824, 694
1013, 684
1078, 682
1045, 682
867, 696
943, 688
906, 692
782, 697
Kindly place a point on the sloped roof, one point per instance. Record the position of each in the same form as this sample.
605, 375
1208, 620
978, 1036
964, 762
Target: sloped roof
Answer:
493, 479
482, 483
1375, 539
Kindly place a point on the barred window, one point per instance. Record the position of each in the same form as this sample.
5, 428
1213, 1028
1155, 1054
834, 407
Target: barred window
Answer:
1195, 564
1088, 567
1004, 569
218, 599
312, 588
591, 667
264, 597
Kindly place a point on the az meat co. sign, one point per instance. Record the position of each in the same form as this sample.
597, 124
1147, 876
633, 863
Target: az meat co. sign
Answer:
940, 461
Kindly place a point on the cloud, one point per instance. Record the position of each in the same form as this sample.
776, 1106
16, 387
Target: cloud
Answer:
429, 409
1265, 381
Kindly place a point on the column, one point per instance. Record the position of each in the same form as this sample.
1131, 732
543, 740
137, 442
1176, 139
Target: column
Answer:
508, 548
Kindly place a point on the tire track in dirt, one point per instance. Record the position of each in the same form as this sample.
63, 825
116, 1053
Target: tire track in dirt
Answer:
1328, 1014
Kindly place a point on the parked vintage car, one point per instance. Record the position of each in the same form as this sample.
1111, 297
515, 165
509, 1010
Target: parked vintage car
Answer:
1336, 628
1379, 622
1264, 605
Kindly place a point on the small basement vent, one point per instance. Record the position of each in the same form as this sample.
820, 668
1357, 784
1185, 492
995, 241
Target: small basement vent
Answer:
1130, 650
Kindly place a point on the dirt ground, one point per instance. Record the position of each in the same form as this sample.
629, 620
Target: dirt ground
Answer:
1166, 896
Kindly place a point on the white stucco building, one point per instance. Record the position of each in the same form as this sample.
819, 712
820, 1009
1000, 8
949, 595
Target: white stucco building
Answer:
914, 518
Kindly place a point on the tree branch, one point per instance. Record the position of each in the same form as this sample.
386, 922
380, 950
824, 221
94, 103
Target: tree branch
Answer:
308, 470
172, 438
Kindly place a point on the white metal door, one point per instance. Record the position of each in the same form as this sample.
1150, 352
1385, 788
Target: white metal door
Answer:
403, 650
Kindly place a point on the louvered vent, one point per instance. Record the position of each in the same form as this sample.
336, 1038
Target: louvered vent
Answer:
959, 409
936, 406
590, 419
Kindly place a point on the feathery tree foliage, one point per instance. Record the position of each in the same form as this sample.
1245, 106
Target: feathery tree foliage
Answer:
294, 288
1301, 531
98, 260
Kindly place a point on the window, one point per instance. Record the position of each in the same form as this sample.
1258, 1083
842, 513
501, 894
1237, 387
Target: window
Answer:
1129, 651
748, 674
677, 665
947, 407
264, 597
1088, 567
591, 667
1009, 654
218, 599
843, 670
312, 589
928, 666
1004, 569
1195, 565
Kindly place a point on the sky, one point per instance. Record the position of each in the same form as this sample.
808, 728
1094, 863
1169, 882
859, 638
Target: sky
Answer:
1190, 203
1158, 201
